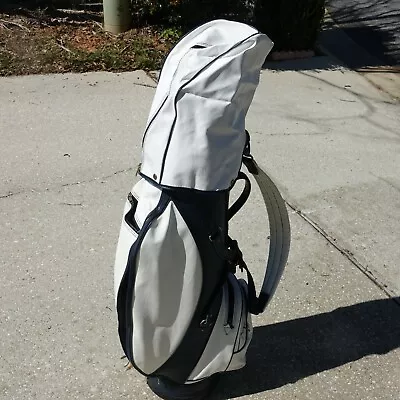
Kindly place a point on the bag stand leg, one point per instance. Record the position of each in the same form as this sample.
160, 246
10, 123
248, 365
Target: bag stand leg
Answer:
168, 390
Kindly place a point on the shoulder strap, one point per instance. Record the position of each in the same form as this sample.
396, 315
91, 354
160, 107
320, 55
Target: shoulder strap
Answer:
279, 237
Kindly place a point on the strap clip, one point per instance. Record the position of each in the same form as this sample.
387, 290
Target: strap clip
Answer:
247, 158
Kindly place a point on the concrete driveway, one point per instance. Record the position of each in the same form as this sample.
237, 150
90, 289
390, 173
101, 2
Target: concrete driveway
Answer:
69, 145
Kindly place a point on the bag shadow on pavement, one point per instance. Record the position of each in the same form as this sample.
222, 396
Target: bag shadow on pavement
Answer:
288, 351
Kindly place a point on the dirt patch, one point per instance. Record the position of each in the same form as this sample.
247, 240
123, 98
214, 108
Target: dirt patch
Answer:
41, 44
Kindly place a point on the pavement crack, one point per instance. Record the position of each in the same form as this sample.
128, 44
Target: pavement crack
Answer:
5, 196
147, 85
122, 171
346, 253
30, 190
280, 134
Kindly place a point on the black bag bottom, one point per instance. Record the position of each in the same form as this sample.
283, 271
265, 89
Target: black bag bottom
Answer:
168, 390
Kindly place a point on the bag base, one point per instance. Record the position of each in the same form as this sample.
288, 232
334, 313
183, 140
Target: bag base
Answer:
168, 390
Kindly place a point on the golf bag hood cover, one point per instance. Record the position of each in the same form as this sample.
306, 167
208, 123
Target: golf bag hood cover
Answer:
195, 134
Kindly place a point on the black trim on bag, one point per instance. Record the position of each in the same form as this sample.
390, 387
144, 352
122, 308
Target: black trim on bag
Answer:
183, 189
126, 287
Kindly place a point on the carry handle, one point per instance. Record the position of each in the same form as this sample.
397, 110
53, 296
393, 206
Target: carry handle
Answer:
238, 204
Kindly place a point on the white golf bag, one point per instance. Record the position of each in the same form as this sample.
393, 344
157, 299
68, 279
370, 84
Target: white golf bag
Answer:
182, 313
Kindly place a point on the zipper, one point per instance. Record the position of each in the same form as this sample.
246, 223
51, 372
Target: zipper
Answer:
207, 317
130, 215
231, 305
244, 315
237, 333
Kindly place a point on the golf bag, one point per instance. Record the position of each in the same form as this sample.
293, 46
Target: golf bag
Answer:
182, 313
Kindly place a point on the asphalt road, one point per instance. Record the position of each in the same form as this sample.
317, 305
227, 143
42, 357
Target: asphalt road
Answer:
372, 24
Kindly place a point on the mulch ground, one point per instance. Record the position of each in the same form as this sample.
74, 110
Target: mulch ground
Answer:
33, 42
